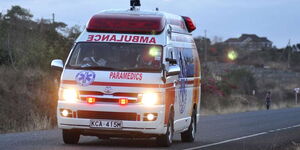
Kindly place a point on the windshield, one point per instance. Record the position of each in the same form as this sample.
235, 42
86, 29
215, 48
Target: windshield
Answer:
116, 56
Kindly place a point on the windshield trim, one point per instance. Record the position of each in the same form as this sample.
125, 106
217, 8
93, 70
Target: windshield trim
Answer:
159, 70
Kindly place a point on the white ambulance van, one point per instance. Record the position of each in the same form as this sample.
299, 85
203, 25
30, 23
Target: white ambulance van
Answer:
131, 73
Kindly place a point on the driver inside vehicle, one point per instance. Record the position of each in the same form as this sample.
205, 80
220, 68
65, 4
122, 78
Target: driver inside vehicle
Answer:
149, 57
93, 58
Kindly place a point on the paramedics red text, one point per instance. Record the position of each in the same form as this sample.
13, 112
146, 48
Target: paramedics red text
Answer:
126, 75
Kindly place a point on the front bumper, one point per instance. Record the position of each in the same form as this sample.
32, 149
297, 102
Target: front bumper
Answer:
140, 126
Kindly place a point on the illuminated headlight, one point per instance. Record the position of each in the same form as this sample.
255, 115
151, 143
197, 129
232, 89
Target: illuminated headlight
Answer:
69, 95
65, 113
151, 99
150, 117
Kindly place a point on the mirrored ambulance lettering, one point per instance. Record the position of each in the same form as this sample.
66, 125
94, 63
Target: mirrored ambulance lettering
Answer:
121, 38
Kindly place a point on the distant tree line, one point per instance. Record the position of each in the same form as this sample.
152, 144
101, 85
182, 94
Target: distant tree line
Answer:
25, 42
216, 51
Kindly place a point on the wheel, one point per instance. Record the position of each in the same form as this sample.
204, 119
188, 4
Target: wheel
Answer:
189, 135
70, 136
167, 139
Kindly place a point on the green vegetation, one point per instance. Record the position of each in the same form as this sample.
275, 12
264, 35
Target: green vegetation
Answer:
232, 89
28, 88
26, 43
240, 84
242, 81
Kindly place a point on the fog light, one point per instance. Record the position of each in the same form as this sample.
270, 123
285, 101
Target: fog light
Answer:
123, 101
65, 113
150, 117
91, 100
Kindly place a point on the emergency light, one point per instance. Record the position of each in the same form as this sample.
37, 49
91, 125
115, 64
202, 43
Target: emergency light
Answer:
123, 101
127, 23
134, 3
91, 100
189, 23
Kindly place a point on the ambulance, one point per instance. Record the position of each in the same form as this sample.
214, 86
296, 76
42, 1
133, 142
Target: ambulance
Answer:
131, 73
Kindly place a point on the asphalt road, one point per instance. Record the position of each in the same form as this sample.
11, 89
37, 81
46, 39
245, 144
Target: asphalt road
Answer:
261, 130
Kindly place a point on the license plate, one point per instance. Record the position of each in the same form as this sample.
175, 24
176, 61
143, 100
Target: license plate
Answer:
112, 124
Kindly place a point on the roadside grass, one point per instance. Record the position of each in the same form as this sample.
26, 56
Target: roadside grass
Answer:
241, 108
239, 103
291, 146
38, 122
27, 100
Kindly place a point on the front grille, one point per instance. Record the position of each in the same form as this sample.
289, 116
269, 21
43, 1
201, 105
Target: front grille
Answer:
90, 93
108, 100
126, 94
107, 115
114, 94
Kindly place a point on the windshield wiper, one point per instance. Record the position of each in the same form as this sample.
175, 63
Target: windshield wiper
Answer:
141, 69
95, 68
116, 69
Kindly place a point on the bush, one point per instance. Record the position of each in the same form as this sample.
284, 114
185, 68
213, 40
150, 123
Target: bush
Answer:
242, 79
28, 100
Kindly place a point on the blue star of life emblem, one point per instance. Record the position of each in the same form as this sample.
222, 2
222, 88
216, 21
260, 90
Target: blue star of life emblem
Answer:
85, 78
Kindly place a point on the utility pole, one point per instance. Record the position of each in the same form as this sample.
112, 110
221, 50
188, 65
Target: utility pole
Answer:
53, 17
205, 45
289, 54
9, 49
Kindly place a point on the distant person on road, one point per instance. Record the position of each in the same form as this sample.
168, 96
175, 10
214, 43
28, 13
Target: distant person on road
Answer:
268, 100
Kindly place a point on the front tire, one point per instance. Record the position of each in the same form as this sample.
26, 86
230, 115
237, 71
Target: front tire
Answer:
167, 139
189, 135
70, 136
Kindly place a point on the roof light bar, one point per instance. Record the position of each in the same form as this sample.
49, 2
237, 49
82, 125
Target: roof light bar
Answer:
126, 23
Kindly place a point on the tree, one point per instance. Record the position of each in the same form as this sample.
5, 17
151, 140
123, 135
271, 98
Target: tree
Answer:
73, 32
217, 39
242, 79
17, 12
28, 44
202, 44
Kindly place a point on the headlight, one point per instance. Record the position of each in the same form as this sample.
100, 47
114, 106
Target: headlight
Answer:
150, 98
69, 95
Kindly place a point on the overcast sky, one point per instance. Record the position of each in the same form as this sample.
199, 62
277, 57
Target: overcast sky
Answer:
279, 20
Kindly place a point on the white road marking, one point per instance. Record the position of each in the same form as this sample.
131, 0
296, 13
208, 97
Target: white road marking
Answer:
243, 137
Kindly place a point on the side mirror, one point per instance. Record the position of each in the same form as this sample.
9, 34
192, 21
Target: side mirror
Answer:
57, 64
173, 70
171, 61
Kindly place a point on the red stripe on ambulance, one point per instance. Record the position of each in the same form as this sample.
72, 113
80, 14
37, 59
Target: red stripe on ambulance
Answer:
73, 82
121, 38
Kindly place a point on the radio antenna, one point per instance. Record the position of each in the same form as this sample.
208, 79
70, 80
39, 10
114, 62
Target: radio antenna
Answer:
134, 4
